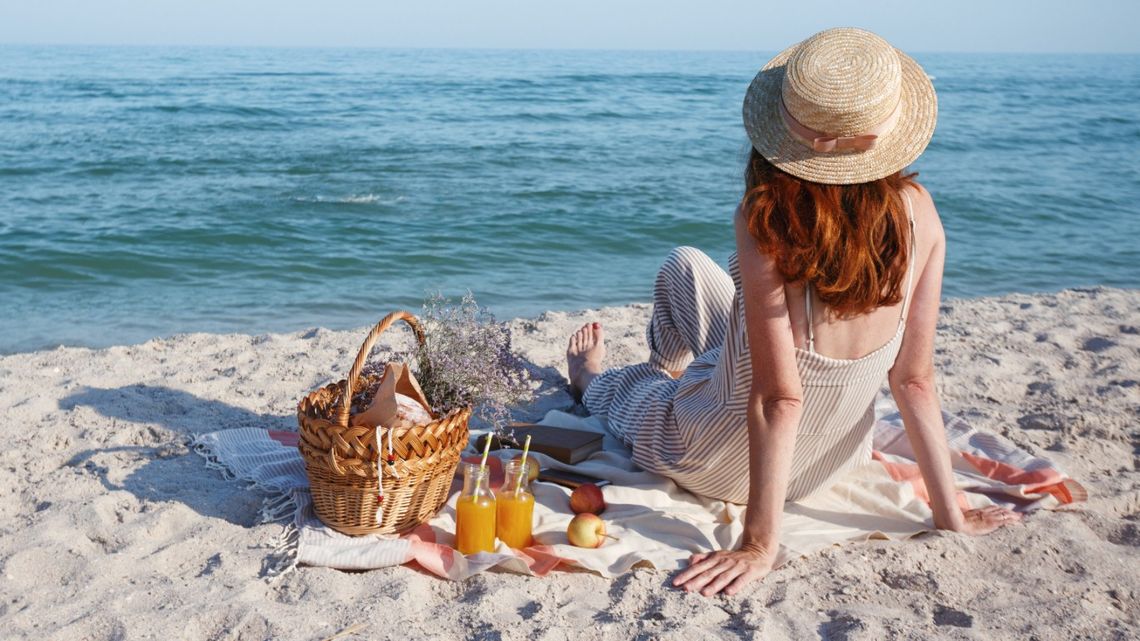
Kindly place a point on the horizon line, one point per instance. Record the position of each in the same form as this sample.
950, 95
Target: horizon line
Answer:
188, 45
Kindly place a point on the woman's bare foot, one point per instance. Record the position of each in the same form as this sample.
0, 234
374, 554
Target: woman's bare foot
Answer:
584, 357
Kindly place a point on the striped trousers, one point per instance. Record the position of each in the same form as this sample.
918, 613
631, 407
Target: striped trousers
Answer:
692, 301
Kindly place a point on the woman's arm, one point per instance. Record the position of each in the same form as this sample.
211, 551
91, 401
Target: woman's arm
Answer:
913, 385
774, 407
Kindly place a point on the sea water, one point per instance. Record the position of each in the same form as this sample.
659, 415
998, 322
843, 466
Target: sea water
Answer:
151, 191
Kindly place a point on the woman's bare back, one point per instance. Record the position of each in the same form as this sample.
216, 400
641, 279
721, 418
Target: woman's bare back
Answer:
856, 337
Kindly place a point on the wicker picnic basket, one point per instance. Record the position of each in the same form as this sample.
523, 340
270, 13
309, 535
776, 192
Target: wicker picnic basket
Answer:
343, 463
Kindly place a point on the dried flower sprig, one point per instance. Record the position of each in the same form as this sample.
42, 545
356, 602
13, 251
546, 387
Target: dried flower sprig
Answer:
466, 359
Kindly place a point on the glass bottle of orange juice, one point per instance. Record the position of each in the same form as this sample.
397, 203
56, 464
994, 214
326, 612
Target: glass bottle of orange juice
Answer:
515, 505
475, 512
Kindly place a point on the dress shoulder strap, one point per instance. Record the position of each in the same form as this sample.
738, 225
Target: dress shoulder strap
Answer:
807, 315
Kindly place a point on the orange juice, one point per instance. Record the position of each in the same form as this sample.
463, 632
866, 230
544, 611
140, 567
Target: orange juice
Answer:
475, 523
515, 518
515, 506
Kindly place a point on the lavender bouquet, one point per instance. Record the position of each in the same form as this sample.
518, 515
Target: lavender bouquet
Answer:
467, 360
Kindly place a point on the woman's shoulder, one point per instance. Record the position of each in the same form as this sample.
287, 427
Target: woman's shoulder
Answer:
925, 213
918, 195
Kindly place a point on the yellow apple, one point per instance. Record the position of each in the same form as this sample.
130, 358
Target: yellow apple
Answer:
586, 531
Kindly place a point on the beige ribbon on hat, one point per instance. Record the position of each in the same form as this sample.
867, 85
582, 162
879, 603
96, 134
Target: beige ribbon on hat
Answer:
822, 143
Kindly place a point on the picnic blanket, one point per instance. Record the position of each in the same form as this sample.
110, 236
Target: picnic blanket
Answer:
655, 522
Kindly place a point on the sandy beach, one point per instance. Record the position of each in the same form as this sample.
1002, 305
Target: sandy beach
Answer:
111, 528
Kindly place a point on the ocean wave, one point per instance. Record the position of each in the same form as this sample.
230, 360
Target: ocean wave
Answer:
351, 199
284, 74
214, 109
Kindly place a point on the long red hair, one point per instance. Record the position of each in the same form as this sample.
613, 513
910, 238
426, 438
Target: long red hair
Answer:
851, 242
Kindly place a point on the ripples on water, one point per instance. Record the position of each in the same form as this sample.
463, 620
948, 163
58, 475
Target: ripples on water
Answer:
150, 191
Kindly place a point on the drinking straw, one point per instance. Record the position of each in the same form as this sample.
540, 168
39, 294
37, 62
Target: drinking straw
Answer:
525, 471
486, 451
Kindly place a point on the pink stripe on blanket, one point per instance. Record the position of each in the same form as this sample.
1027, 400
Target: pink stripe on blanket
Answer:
440, 559
1042, 481
431, 556
288, 439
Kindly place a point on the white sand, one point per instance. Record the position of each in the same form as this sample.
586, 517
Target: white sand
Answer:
111, 529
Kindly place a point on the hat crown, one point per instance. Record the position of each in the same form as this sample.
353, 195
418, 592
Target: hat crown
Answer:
842, 82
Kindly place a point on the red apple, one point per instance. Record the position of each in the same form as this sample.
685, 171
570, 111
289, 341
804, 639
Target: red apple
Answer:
586, 531
587, 498
531, 468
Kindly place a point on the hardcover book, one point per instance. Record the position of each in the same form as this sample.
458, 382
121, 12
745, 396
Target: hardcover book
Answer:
565, 444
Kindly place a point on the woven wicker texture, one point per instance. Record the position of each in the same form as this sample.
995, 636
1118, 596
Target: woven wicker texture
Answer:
342, 461
841, 82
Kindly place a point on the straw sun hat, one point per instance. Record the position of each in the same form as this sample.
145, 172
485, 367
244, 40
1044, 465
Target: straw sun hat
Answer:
841, 107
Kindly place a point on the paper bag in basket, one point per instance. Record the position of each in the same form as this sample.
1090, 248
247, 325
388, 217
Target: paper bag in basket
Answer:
399, 401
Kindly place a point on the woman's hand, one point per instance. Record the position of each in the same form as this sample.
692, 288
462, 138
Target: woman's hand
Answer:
987, 519
724, 570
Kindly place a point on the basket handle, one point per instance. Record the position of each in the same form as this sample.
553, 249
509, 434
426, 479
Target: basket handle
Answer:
361, 356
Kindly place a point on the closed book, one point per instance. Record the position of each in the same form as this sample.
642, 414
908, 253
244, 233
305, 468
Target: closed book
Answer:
565, 444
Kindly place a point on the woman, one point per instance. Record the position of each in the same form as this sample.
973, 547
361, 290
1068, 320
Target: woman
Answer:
760, 384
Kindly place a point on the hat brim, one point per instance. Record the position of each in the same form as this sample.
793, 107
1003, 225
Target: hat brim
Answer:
892, 152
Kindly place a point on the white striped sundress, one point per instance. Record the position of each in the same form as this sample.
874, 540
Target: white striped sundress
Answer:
694, 429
